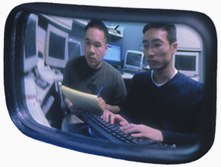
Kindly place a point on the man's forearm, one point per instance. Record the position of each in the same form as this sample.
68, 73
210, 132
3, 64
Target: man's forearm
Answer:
114, 108
68, 102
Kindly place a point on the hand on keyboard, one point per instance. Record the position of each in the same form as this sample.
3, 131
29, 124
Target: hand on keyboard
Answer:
143, 131
133, 129
112, 118
106, 130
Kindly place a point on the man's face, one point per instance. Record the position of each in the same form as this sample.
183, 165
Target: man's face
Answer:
95, 47
157, 49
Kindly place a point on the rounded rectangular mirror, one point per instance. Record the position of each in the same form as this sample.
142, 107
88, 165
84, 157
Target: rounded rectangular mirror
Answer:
49, 46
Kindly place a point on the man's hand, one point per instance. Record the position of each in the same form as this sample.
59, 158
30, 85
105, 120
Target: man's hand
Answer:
102, 103
143, 131
112, 118
112, 108
72, 107
133, 129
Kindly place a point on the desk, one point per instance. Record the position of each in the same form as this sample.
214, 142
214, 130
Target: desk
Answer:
127, 78
41, 102
49, 76
34, 98
126, 75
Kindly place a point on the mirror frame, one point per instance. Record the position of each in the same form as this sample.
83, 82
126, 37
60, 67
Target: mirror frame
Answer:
13, 51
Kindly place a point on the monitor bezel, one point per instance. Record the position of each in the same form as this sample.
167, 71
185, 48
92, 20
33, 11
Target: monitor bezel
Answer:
71, 40
131, 67
31, 61
52, 61
190, 73
14, 86
117, 64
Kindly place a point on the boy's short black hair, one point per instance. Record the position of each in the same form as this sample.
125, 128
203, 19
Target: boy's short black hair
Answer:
99, 25
170, 28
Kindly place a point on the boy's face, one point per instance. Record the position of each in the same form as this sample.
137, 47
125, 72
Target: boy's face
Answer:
95, 47
160, 52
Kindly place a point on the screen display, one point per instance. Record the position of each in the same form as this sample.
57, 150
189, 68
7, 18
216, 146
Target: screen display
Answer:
186, 63
30, 40
56, 46
74, 49
113, 53
133, 59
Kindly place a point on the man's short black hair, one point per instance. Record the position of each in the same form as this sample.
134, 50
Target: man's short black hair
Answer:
170, 28
99, 25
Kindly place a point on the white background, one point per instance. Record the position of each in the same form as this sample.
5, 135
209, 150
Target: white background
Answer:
16, 149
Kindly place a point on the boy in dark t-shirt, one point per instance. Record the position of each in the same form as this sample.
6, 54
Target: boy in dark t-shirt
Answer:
78, 75
90, 73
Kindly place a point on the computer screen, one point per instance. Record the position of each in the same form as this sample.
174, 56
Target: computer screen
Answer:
30, 53
56, 47
187, 63
74, 48
133, 60
113, 55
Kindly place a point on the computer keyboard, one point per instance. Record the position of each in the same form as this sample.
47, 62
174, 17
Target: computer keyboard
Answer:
112, 132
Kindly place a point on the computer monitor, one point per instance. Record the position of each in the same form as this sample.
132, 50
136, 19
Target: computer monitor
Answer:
187, 63
114, 55
74, 48
30, 46
133, 60
56, 47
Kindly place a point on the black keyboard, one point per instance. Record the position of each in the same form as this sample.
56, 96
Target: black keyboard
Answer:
112, 132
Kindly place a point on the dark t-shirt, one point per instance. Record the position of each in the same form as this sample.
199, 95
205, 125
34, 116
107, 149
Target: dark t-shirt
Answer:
78, 75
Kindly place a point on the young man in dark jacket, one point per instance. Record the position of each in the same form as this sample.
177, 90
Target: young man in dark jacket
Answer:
163, 104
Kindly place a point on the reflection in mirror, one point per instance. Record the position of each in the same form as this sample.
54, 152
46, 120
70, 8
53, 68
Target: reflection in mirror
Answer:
51, 41
54, 73
30, 69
